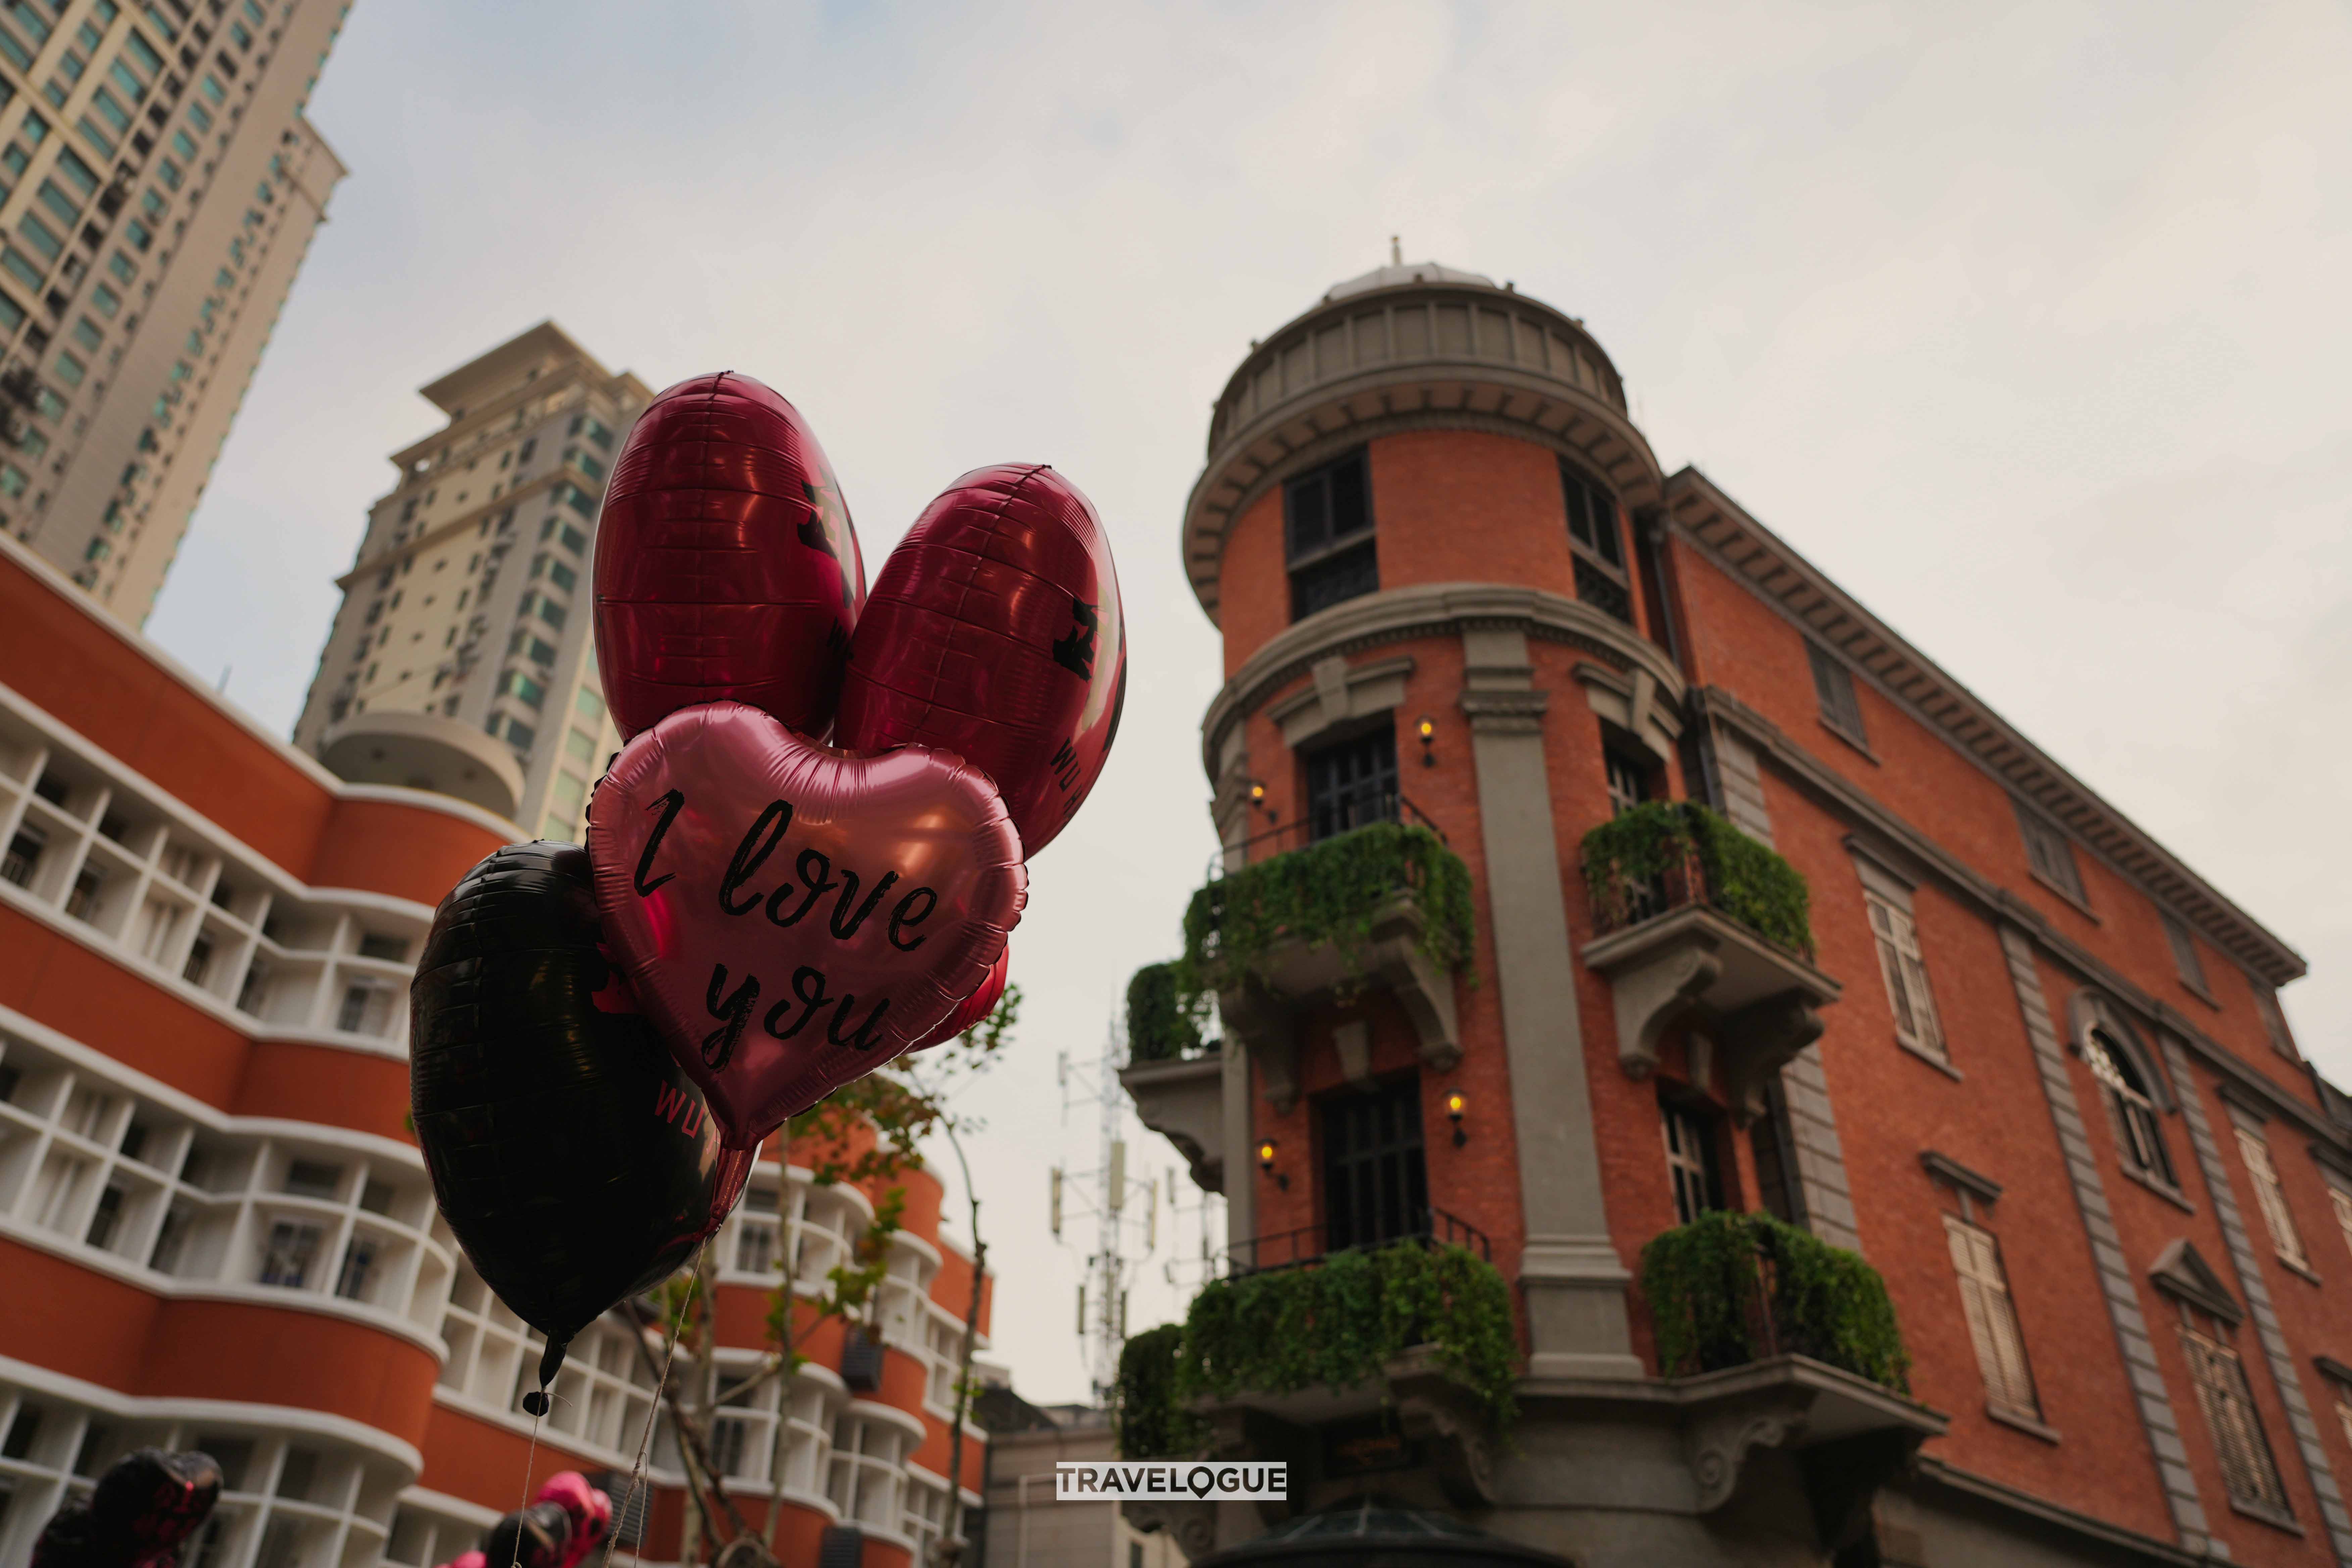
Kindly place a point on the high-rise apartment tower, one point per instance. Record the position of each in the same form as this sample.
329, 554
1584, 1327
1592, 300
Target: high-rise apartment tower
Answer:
462, 659
159, 187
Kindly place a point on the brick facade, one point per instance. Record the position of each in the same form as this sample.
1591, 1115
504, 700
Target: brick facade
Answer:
1712, 665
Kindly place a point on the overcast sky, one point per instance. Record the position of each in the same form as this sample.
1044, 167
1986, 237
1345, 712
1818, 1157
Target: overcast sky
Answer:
2027, 324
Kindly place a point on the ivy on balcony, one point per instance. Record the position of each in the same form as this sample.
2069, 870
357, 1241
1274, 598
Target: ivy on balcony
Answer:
1341, 1321
1149, 1421
1665, 854
1329, 892
1163, 1020
1729, 1289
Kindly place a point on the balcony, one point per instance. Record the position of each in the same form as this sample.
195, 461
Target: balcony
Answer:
1175, 1077
423, 750
1694, 923
1382, 906
1415, 1338
1786, 1365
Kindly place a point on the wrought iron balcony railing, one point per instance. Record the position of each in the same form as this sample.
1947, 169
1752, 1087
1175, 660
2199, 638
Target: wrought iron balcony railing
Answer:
1309, 1244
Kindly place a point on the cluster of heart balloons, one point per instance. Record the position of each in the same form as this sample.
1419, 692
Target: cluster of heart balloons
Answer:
805, 861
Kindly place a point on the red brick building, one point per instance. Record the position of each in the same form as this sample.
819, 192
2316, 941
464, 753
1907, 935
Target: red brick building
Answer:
2033, 1069
216, 1230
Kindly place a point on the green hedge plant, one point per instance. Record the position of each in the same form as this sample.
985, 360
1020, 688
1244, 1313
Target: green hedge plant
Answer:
1150, 1420
1327, 892
1339, 1323
1691, 853
1729, 1289
1163, 1021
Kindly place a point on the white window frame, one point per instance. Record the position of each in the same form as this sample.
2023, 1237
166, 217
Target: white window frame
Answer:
2270, 1196
1991, 1314
2250, 1470
1691, 1168
2133, 1113
1904, 968
1902, 962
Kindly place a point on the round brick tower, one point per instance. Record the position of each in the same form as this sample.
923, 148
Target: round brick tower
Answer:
1425, 518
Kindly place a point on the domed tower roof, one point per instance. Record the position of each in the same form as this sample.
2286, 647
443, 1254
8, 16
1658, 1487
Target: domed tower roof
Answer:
1411, 345
1398, 273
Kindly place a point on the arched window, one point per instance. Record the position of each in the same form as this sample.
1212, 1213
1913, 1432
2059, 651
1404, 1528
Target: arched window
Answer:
2135, 1100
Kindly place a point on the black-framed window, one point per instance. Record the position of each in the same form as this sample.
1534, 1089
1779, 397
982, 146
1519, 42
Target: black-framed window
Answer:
1327, 539
1596, 541
1375, 1181
1691, 1164
1833, 685
1352, 782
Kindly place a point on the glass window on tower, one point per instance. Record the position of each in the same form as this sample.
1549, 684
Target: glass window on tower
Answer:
1328, 535
1375, 1183
1598, 544
1352, 782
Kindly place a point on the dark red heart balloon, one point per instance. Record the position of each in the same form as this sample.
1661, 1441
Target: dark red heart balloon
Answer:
996, 632
795, 916
973, 1010
726, 565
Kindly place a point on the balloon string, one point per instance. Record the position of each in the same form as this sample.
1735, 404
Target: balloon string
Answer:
652, 1415
528, 1460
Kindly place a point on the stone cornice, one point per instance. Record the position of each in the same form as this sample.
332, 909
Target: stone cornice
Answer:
1753, 556
1951, 1172
1432, 609
2002, 1496
2001, 905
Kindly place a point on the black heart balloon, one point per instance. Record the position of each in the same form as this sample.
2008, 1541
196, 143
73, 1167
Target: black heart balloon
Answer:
576, 1163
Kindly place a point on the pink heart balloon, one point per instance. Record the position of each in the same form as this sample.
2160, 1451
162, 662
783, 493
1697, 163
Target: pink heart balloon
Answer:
792, 916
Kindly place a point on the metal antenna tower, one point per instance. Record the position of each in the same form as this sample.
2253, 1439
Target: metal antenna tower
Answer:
1111, 1194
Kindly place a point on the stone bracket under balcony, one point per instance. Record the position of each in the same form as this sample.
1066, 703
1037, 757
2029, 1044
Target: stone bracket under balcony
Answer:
1263, 1009
1752, 1005
1457, 1443
1743, 1429
1184, 1101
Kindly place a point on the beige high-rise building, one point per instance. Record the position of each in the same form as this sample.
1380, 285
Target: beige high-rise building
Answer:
161, 188
463, 658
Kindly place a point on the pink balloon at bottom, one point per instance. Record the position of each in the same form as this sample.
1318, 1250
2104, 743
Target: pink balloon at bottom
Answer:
792, 917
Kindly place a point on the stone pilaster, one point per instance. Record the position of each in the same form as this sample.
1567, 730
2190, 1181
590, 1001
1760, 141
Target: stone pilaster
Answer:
2106, 1247
1574, 1282
2243, 1260
1814, 1149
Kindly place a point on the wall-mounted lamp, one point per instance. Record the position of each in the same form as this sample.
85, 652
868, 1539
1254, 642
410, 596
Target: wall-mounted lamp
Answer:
1453, 1107
1265, 1163
1427, 729
1258, 798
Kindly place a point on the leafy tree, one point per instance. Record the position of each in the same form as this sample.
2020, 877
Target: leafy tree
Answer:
865, 1134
